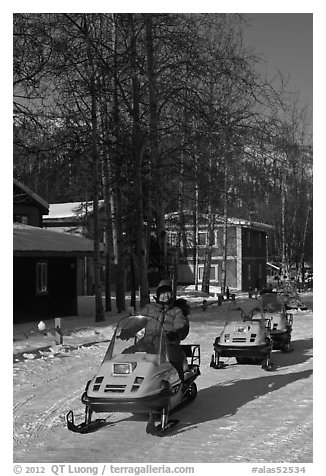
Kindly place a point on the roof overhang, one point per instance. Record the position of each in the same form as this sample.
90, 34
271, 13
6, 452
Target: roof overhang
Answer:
36, 198
273, 266
173, 218
30, 240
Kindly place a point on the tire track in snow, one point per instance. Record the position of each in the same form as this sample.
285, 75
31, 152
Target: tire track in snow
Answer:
46, 420
17, 413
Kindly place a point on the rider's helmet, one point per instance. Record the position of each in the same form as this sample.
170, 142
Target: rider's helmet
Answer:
164, 292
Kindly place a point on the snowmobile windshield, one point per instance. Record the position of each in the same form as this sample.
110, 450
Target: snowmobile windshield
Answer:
272, 302
138, 335
244, 310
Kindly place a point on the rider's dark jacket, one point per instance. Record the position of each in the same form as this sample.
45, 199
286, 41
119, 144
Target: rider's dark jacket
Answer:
171, 317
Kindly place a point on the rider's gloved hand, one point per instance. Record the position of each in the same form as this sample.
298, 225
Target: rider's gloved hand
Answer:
124, 335
172, 336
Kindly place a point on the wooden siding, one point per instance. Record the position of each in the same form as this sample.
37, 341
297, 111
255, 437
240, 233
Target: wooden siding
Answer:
187, 276
32, 212
253, 259
246, 258
61, 298
253, 273
253, 243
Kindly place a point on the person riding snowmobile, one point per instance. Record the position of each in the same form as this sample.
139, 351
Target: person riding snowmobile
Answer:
173, 314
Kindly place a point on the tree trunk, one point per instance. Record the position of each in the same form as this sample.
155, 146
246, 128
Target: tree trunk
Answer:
225, 228
108, 236
195, 233
284, 260
303, 241
209, 251
120, 277
137, 154
99, 311
158, 195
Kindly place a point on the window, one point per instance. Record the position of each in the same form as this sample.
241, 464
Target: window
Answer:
260, 271
248, 238
202, 238
213, 273
249, 273
173, 238
41, 278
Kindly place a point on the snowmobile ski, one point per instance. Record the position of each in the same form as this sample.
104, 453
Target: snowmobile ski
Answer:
268, 366
84, 427
217, 365
158, 430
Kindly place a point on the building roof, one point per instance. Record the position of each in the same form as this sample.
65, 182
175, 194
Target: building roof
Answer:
277, 268
70, 210
32, 195
39, 241
172, 217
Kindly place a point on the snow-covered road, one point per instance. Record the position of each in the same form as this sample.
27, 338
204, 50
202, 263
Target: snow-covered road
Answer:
242, 414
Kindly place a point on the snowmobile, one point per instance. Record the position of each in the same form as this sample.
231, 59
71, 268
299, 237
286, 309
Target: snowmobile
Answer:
281, 320
292, 300
245, 336
137, 377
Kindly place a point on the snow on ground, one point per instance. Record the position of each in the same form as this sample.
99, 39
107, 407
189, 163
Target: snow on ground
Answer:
242, 414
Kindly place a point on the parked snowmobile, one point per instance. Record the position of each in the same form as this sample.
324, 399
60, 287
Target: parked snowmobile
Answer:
281, 320
292, 300
137, 377
245, 336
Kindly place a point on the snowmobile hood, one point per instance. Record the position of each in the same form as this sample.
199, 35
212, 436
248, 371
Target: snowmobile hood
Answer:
246, 325
135, 363
130, 378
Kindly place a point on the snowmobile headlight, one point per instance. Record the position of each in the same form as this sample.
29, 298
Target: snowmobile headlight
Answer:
241, 329
122, 369
227, 338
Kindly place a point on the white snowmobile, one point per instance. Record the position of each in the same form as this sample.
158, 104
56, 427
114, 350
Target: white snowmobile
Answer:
245, 336
137, 377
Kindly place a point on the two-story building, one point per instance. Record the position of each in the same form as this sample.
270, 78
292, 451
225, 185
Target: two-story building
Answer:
245, 256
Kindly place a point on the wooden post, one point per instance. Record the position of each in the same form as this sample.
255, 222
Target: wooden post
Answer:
58, 331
